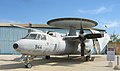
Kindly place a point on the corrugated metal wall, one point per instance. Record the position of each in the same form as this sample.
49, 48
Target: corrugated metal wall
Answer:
8, 35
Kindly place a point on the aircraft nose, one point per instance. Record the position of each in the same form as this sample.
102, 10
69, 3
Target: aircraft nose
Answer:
15, 46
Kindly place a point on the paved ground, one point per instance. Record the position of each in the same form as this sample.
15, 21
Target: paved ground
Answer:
8, 63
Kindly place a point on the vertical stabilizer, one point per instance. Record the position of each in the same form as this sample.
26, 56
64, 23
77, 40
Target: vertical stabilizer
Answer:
102, 41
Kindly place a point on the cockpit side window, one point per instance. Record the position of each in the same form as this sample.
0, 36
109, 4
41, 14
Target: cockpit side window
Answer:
38, 37
32, 36
25, 36
43, 37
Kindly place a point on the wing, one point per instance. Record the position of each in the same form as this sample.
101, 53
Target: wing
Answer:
73, 38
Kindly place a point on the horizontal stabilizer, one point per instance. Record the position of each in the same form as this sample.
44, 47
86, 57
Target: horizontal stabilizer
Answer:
92, 36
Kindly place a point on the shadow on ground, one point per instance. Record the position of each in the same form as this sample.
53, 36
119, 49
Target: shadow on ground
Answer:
54, 61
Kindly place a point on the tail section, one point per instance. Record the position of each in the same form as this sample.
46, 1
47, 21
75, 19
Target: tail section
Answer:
102, 41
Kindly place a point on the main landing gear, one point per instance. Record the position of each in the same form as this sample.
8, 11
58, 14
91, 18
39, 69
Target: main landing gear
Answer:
47, 57
87, 57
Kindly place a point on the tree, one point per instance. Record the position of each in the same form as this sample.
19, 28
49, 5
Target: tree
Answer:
114, 38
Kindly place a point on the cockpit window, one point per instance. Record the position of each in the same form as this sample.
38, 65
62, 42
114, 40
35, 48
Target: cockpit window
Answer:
25, 36
35, 36
43, 37
31, 36
38, 37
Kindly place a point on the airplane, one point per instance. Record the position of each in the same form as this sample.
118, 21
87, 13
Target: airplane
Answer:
39, 43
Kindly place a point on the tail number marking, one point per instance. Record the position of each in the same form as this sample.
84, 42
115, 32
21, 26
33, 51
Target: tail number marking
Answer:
38, 46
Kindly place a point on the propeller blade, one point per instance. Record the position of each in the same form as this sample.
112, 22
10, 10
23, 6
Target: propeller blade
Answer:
82, 48
81, 29
92, 36
82, 39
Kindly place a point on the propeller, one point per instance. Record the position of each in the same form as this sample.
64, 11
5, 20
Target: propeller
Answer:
82, 40
83, 37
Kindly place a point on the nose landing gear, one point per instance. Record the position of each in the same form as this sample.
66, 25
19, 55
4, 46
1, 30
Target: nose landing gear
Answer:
26, 59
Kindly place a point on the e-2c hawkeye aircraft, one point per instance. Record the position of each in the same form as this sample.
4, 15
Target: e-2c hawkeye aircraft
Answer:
39, 43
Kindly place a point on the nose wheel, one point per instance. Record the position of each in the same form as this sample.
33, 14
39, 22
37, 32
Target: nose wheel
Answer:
28, 65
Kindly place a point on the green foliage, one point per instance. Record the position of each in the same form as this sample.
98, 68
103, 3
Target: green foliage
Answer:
114, 38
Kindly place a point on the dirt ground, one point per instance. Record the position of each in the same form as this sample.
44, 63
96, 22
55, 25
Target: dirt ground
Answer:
56, 63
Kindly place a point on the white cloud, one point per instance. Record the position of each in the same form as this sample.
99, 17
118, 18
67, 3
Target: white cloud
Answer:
112, 24
99, 10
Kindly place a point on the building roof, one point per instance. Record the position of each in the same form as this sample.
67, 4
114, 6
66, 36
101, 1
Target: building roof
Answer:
39, 26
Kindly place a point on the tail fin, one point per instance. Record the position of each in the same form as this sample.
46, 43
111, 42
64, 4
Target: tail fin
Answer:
102, 41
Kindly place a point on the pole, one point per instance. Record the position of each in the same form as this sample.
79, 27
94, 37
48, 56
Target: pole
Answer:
117, 67
117, 60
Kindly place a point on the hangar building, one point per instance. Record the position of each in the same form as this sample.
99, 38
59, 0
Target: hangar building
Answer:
9, 34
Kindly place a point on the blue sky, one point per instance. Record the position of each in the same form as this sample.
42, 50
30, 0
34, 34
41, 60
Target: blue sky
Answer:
105, 12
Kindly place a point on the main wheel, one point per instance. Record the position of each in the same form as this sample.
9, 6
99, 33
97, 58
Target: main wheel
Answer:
47, 57
28, 65
87, 58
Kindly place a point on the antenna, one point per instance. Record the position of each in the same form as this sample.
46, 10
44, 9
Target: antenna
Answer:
29, 26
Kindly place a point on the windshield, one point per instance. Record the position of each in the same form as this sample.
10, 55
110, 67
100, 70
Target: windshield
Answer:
31, 36
35, 36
